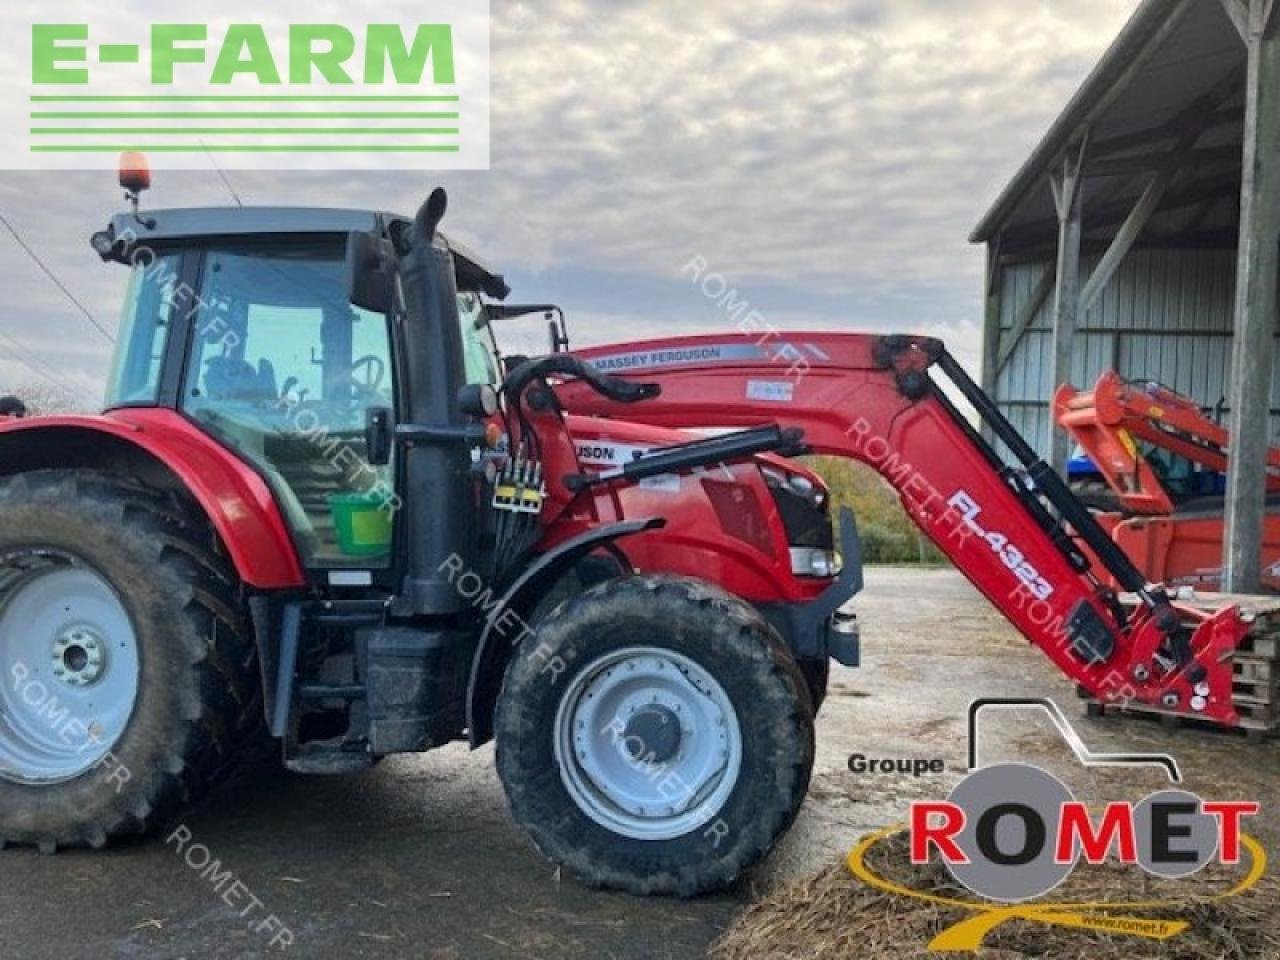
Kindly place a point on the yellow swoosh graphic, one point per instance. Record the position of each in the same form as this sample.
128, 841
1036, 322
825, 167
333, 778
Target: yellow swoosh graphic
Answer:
967, 935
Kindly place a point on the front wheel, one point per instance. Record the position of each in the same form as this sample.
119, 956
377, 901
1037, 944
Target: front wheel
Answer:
657, 737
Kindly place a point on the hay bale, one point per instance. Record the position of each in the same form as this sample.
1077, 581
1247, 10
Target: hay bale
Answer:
833, 916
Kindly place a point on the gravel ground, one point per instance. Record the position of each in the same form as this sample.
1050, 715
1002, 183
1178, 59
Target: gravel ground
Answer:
418, 857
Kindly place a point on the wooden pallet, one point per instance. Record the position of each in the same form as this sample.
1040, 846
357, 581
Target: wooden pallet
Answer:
1255, 670
1256, 723
1247, 669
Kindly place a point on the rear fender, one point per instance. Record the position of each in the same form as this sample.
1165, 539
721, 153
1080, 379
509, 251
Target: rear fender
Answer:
163, 449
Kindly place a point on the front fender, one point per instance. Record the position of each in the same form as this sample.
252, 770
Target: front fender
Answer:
163, 448
494, 646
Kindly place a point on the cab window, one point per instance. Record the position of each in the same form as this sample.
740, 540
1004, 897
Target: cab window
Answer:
282, 368
481, 366
144, 332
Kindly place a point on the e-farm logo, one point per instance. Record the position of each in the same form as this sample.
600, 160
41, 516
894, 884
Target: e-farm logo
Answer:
257, 88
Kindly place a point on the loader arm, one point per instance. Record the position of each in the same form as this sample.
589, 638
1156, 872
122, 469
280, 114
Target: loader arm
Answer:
878, 400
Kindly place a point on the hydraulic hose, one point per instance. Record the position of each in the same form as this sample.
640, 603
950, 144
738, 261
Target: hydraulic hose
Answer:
613, 388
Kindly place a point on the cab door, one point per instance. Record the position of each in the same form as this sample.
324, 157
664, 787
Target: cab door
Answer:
282, 368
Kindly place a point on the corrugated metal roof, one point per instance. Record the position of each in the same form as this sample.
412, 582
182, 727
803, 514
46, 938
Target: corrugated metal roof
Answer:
1169, 55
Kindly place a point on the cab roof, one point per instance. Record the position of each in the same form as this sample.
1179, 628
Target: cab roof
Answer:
203, 223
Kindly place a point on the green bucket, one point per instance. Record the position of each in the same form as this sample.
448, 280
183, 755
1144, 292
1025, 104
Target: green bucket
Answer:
362, 523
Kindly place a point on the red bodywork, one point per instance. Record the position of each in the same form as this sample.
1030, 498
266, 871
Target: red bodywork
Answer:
850, 402
722, 525
237, 500
244, 511
1177, 547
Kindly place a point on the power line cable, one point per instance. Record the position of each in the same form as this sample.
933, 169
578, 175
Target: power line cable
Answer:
27, 360
38, 366
31, 359
54, 277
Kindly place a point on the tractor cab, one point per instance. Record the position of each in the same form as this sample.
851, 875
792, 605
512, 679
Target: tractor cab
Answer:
241, 319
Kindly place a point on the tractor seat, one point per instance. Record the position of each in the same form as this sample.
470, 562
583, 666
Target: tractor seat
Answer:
228, 378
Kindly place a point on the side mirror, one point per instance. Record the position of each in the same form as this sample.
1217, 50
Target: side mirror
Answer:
377, 436
370, 272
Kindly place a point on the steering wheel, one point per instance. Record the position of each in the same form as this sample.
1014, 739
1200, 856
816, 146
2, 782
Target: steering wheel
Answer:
376, 371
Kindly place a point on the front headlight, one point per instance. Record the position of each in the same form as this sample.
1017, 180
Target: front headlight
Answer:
815, 562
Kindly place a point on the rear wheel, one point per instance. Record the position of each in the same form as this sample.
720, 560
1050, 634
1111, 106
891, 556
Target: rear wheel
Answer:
129, 678
657, 738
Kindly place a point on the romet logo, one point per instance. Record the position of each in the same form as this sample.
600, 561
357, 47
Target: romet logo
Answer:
256, 90
1012, 833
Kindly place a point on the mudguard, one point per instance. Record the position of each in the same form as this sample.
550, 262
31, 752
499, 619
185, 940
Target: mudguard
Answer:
496, 640
163, 448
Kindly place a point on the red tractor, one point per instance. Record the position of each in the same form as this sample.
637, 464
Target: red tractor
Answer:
307, 509
319, 502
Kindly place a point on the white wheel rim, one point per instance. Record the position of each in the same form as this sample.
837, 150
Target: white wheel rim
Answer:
648, 743
69, 662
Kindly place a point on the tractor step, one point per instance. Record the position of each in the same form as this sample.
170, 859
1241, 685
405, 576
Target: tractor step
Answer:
327, 759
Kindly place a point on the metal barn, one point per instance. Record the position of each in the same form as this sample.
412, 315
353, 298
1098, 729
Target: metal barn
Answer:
1142, 234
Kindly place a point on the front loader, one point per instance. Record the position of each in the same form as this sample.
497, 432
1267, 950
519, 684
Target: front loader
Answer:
321, 507
1014, 529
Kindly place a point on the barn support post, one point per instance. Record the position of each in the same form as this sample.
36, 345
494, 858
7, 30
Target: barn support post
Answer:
1256, 303
1068, 192
991, 320
1125, 238
991, 332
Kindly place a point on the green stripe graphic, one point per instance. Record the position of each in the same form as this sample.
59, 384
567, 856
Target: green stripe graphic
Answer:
240, 98
245, 148
269, 131
234, 115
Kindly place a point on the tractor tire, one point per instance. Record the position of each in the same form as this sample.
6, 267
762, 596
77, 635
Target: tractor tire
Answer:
130, 680
817, 675
657, 739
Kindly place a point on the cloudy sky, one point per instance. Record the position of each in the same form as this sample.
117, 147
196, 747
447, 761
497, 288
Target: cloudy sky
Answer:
828, 158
